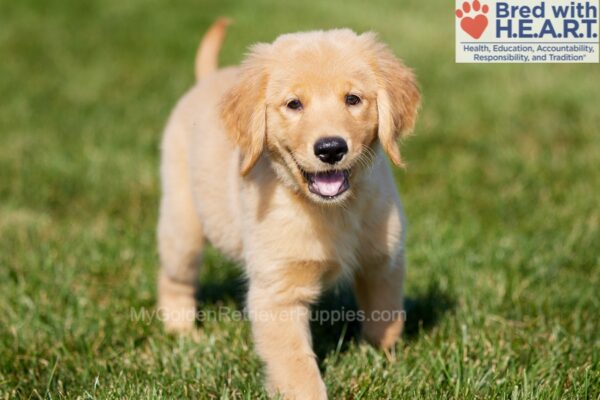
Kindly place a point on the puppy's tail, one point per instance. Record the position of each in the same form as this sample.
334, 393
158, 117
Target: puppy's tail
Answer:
207, 57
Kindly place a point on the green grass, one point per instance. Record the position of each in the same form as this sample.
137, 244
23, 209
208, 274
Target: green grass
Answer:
501, 192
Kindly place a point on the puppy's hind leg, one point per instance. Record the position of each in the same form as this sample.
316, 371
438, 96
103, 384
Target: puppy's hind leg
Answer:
180, 238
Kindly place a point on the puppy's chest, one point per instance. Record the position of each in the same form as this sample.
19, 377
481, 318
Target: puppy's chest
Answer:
340, 237
332, 238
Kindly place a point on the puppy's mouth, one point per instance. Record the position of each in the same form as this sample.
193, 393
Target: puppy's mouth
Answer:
327, 184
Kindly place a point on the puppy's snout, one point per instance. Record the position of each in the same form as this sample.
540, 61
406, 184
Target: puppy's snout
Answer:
330, 149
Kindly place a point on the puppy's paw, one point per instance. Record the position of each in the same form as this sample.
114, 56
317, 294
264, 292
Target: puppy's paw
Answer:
382, 334
178, 319
301, 390
176, 306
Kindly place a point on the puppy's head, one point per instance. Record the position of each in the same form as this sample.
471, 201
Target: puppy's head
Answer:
318, 103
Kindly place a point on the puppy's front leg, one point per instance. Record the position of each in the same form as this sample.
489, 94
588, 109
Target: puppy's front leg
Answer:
279, 311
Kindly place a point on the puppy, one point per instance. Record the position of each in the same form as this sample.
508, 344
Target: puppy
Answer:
280, 164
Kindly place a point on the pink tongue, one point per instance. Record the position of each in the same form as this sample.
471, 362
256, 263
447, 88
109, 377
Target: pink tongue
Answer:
329, 183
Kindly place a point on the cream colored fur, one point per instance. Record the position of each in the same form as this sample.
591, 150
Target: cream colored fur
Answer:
230, 174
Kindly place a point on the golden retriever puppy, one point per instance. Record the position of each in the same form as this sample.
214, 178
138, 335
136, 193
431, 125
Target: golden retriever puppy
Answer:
280, 164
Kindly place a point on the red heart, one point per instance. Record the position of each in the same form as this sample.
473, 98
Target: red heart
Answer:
474, 26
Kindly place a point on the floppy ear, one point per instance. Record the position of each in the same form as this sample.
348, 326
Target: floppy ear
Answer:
243, 108
398, 99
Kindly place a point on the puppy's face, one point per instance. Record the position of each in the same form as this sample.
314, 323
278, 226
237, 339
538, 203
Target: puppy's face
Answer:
321, 116
319, 103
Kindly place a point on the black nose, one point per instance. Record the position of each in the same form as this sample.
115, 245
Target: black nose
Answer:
331, 149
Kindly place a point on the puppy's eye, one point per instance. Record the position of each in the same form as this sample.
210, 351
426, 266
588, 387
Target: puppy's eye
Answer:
294, 104
352, 99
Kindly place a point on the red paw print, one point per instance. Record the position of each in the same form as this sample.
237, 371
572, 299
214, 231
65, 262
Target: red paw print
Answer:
474, 26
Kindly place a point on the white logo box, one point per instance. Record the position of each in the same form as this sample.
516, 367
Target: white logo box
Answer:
527, 31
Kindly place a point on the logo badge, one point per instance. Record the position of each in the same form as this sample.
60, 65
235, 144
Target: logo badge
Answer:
526, 31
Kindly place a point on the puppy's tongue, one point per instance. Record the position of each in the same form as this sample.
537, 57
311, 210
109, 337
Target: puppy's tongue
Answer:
328, 183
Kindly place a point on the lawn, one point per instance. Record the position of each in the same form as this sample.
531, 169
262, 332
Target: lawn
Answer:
501, 192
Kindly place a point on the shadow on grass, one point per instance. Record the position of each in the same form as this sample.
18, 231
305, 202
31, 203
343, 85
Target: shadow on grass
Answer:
217, 292
332, 333
423, 311
221, 281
